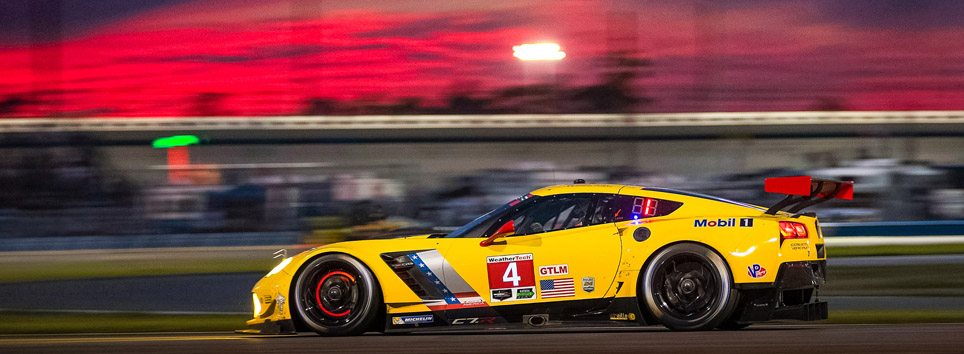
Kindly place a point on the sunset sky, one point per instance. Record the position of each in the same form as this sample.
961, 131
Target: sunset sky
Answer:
151, 58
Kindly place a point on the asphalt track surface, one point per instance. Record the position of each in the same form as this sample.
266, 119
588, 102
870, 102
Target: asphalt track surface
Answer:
929, 338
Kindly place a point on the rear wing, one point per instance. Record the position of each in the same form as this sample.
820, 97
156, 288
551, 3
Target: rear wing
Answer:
805, 191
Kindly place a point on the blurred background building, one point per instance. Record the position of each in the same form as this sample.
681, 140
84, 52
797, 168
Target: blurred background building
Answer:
376, 72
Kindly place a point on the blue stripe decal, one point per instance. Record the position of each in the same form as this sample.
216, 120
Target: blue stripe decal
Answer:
432, 277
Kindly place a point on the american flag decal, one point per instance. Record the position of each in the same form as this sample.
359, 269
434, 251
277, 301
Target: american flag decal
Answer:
557, 288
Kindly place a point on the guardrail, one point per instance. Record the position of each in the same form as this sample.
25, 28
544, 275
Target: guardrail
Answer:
728, 119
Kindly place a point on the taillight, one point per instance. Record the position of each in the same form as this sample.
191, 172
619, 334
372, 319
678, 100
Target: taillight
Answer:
792, 230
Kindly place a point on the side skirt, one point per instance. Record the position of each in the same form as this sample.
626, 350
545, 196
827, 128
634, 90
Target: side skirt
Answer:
558, 314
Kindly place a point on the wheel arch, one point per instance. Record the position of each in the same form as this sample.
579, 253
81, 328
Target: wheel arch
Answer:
647, 315
649, 258
378, 324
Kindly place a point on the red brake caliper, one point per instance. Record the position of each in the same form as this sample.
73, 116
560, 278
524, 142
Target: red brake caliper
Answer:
318, 293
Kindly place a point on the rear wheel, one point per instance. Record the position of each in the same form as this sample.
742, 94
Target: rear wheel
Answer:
336, 295
687, 287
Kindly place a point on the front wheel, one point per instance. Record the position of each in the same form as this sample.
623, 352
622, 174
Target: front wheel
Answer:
688, 287
336, 295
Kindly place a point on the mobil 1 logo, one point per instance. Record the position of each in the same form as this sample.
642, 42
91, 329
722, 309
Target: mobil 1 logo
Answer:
724, 222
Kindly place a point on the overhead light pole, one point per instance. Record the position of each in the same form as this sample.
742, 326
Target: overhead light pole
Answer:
542, 58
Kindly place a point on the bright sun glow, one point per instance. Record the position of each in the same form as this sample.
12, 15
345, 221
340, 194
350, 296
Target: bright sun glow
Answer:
538, 51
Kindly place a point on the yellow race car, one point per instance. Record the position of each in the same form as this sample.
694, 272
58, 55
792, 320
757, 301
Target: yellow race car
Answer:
569, 255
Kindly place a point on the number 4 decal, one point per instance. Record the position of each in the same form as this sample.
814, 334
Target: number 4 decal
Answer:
511, 277
512, 274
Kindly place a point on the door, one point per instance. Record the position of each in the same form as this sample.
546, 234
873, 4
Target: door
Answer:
560, 250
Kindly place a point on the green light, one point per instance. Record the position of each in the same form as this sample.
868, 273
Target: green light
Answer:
175, 141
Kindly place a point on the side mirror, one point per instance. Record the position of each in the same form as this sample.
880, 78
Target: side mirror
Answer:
505, 230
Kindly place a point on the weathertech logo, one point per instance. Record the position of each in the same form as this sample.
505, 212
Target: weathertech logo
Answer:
510, 258
730, 222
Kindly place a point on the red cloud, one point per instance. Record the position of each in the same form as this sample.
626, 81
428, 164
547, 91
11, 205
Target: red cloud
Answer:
265, 58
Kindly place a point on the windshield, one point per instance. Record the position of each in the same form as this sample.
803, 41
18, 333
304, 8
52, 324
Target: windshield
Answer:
477, 227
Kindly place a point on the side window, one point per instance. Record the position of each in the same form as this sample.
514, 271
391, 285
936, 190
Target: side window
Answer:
616, 208
553, 213
605, 209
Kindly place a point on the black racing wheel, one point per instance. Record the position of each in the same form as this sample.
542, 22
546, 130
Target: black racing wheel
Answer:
336, 295
688, 287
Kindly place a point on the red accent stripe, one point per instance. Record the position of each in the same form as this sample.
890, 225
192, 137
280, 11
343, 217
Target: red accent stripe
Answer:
457, 306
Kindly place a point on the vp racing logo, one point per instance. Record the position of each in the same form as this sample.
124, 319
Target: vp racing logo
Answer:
756, 271
728, 222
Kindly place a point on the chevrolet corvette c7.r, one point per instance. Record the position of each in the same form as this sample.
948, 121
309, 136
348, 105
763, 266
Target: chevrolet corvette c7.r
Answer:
569, 255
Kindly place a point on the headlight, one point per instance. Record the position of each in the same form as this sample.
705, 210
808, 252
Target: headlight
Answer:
257, 304
279, 267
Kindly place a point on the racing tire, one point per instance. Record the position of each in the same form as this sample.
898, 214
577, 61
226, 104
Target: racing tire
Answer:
688, 287
336, 295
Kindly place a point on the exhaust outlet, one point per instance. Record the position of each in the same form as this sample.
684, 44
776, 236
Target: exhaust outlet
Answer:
535, 320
